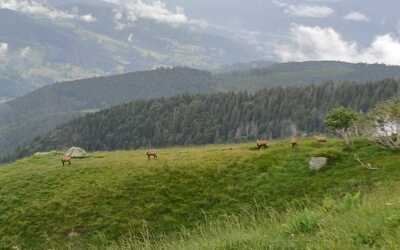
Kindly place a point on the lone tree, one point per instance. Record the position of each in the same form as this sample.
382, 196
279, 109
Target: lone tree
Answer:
384, 124
341, 120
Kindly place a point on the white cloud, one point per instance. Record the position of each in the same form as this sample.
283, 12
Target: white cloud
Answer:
356, 16
89, 18
33, 7
312, 11
41, 9
132, 10
3, 48
130, 38
24, 52
3, 51
316, 43
305, 10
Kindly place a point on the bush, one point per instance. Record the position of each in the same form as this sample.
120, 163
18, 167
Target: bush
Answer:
383, 124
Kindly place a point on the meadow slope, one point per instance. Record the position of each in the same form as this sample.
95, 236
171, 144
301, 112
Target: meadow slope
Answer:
111, 195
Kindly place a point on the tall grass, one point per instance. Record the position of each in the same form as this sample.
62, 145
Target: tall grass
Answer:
114, 194
370, 222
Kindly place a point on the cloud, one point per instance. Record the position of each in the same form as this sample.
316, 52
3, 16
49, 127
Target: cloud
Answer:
3, 48
39, 8
317, 43
25, 52
356, 16
89, 18
304, 10
130, 11
309, 11
3, 52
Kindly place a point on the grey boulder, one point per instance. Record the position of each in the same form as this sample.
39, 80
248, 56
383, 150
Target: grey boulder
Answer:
318, 163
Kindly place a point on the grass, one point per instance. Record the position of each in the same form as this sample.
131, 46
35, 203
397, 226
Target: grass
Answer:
352, 222
114, 194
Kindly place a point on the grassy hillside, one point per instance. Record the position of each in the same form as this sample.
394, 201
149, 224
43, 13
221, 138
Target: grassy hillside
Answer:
113, 194
368, 221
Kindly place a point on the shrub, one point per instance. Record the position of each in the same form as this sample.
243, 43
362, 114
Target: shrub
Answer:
341, 120
383, 124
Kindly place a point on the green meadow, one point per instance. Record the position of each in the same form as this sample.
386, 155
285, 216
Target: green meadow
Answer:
210, 197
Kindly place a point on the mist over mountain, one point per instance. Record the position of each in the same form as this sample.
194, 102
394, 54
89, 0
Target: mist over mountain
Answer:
43, 42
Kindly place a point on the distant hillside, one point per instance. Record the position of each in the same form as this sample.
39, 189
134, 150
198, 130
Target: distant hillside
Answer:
26, 117
37, 113
304, 73
217, 118
43, 50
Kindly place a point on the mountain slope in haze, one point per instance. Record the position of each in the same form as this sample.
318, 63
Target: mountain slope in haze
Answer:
303, 73
217, 118
81, 40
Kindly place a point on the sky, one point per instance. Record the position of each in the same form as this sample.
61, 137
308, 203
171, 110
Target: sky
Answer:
297, 30
283, 30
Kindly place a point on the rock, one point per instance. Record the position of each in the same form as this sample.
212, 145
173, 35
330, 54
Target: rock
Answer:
73, 234
76, 152
318, 163
45, 153
41, 153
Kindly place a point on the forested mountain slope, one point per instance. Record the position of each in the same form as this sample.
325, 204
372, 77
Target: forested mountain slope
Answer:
217, 118
35, 114
42, 110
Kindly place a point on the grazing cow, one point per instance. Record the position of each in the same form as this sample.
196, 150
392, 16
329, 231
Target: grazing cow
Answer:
66, 159
262, 144
294, 143
151, 153
321, 139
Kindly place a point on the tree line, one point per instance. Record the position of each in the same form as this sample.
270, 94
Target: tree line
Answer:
216, 118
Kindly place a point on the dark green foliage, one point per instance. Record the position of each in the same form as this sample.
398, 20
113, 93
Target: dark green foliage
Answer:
340, 119
217, 118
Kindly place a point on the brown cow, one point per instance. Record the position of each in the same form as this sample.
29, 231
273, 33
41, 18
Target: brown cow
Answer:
294, 142
66, 159
321, 139
151, 153
262, 144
